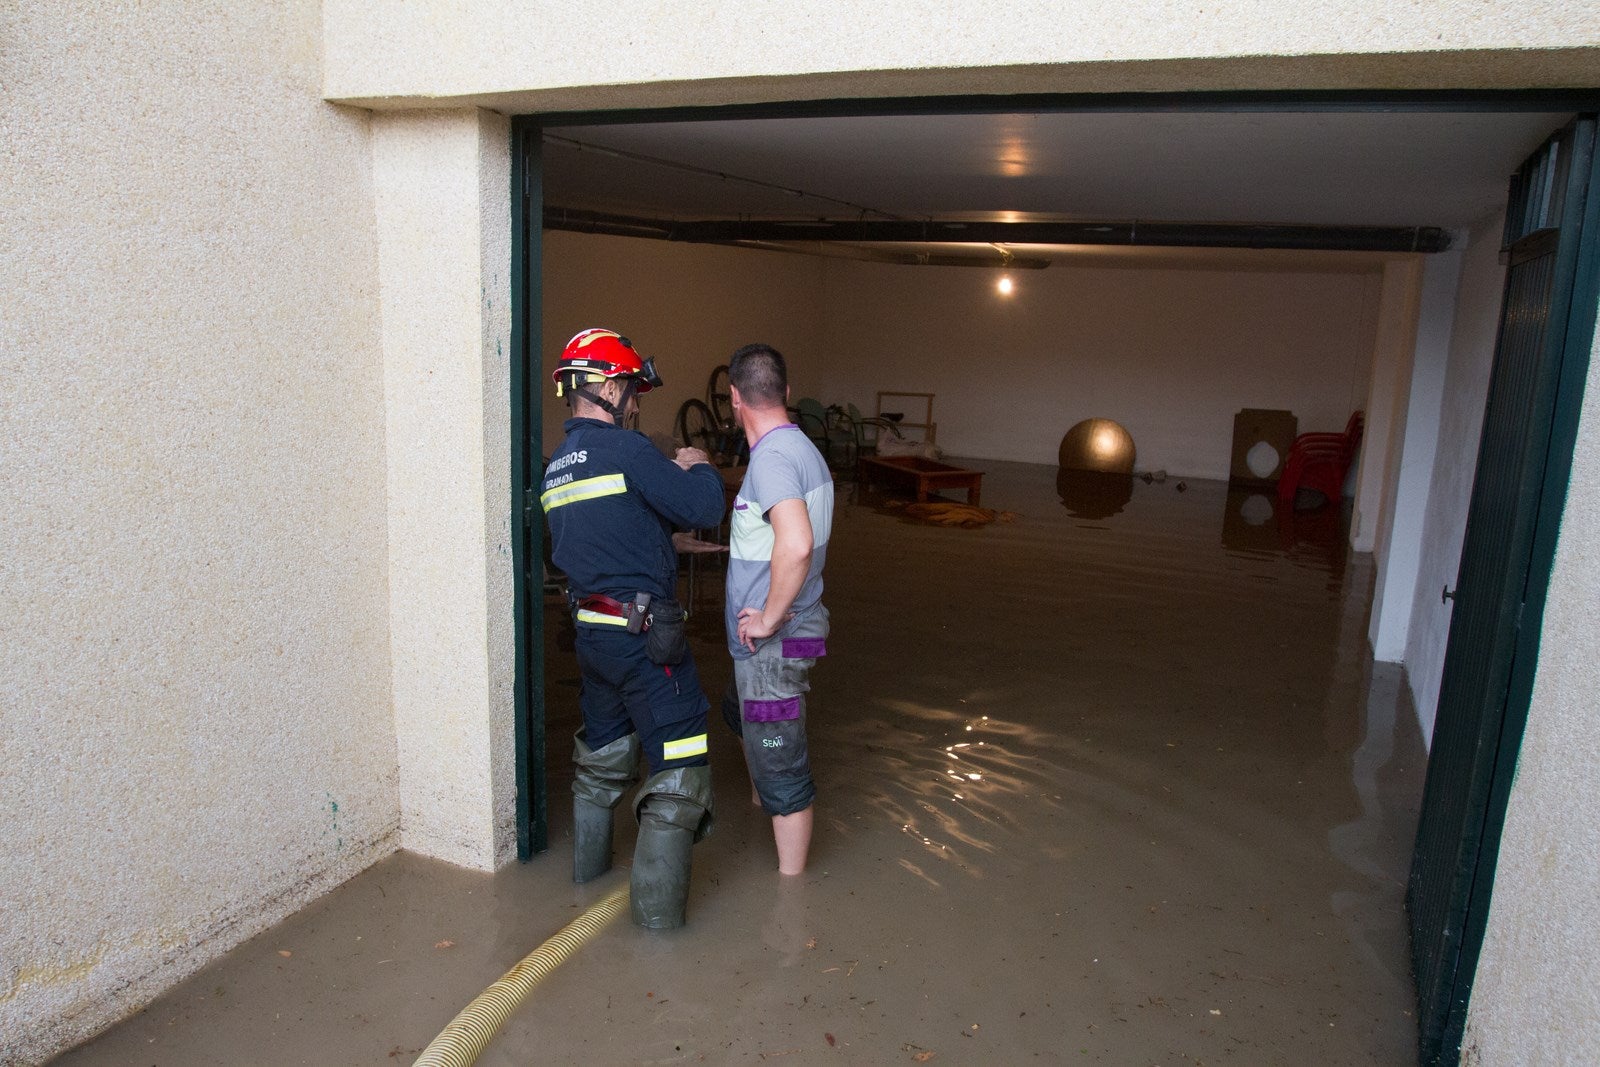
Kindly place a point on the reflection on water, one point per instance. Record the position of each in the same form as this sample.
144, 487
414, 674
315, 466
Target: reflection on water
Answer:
1093, 494
1256, 523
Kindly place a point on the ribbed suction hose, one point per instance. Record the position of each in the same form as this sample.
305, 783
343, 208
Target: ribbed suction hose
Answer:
469, 1033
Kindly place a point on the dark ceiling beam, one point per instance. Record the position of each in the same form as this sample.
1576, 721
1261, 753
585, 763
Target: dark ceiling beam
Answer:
1168, 234
1248, 101
990, 259
866, 231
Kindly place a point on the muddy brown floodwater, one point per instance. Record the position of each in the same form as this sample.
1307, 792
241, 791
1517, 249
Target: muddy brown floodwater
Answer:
1115, 782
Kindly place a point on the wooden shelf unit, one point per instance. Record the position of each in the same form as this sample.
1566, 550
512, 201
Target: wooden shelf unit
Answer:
929, 428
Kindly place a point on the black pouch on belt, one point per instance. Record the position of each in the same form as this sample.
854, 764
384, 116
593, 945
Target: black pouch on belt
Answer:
666, 641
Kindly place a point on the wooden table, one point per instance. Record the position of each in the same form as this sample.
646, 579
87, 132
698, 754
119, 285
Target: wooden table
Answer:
924, 475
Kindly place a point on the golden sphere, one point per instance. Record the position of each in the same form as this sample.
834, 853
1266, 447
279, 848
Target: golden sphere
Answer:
1098, 445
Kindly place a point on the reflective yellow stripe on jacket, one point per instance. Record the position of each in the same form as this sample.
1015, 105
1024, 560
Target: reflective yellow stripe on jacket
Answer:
585, 615
583, 489
688, 746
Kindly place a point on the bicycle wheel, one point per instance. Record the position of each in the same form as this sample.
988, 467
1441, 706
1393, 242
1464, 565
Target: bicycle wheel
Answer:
719, 398
695, 427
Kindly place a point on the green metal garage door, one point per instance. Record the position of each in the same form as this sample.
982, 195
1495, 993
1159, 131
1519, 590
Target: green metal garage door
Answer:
1546, 327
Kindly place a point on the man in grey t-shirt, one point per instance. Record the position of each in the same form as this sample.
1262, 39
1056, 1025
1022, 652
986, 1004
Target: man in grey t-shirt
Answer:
777, 626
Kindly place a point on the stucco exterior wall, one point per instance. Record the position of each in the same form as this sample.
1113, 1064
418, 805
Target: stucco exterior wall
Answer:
444, 223
1536, 997
541, 56
194, 655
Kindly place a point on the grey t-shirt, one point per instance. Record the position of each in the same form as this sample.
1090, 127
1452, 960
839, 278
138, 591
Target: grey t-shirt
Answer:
784, 465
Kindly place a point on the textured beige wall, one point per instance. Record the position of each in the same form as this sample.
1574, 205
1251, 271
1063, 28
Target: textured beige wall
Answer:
195, 735
1536, 997
443, 209
586, 53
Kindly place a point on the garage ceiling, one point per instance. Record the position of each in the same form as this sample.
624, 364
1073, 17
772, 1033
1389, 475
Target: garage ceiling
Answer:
1315, 168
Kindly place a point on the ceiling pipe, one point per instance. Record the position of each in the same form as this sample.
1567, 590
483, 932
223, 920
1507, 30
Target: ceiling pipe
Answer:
906, 259
1160, 234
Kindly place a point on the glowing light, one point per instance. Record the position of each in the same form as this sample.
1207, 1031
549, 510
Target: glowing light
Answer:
975, 777
1004, 285
1014, 157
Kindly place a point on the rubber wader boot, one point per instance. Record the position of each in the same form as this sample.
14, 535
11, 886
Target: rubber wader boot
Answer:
600, 779
674, 809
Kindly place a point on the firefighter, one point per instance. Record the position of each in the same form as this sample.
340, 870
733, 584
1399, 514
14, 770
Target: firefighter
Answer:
612, 500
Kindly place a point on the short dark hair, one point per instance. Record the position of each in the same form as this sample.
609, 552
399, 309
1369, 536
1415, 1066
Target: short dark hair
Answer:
760, 375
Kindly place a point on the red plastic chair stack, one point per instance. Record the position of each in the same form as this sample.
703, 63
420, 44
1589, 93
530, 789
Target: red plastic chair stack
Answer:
1320, 461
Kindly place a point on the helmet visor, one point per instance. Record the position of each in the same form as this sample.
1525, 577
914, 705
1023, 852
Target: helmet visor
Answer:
647, 374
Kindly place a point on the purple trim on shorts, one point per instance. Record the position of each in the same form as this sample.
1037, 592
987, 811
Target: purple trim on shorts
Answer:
772, 710
741, 507
804, 647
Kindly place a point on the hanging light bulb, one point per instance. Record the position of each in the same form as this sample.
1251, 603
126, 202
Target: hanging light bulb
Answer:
1005, 285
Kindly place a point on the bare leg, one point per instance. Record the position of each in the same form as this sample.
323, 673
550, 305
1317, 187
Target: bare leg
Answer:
793, 836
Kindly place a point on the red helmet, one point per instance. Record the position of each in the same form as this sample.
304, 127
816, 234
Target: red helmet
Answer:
595, 355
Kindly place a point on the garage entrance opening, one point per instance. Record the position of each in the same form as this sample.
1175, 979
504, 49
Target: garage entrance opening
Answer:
1170, 341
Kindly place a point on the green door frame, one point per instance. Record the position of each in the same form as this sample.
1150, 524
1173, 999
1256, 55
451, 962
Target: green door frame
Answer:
527, 534
527, 131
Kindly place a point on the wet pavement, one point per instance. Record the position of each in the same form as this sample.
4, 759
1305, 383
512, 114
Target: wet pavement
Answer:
1113, 782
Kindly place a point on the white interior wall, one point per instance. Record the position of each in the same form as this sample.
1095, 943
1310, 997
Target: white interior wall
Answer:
687, 306
1170, 354
442, 180
1389, 391
1466, 387
1412, 458
194, 650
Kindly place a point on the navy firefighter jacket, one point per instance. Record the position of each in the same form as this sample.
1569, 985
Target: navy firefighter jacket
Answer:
612, 500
